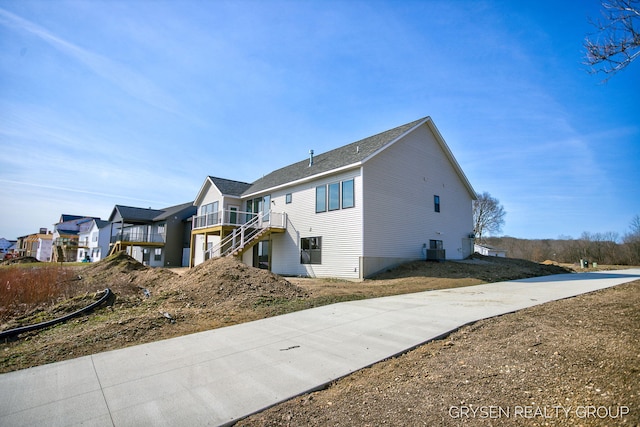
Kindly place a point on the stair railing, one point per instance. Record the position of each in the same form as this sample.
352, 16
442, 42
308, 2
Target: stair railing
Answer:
240, 237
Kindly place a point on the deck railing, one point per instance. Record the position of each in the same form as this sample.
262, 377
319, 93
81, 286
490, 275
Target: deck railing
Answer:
65, 241
138, 237
222, 217
246, 233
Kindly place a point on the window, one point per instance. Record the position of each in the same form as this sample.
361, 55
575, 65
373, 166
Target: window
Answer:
157, 256
348, 199
338, 195
161, 228
258, 205
435, 244
210, 213
311, 250
214, 213
334, 196
287, 198
436, 203
233, 214
321, 198
266, 206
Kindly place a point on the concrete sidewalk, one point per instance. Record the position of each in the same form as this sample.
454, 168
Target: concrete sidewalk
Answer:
220, 376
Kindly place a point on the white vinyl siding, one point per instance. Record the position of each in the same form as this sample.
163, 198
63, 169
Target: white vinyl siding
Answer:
340, 230
401, 182
212, 199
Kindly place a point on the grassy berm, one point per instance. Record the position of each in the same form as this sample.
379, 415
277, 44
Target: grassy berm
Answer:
579, 352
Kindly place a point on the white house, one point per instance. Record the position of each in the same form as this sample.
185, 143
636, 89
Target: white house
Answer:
93, 240
391, 198
65, 237
38, 245
487, 250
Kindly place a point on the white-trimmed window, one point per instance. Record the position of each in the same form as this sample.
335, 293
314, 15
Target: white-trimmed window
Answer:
348, 194
321, 198
335, 196
311, 250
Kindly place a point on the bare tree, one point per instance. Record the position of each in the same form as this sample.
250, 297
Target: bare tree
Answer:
632, 241
617, 41
634, 226
488, 215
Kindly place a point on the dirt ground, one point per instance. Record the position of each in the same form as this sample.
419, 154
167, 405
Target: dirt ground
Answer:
580, 354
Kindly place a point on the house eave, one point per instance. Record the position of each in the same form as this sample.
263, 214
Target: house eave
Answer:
304, 180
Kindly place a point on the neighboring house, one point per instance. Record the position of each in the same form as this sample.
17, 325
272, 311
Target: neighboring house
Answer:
65, 237
21, 245
43, 244
37, 245
155, 237
6, 246
487, 250
93, 240
391, 198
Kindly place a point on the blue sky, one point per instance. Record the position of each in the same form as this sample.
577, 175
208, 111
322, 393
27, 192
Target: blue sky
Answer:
136, 102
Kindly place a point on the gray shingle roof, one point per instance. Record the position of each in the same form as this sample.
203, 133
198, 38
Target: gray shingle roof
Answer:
101, 223
133, 214
229, 187
334, 159
183, 210
147, 216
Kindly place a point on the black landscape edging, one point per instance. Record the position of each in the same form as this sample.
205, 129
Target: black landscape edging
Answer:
108, 295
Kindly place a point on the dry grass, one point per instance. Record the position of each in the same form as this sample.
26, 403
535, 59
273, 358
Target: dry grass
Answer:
22, 289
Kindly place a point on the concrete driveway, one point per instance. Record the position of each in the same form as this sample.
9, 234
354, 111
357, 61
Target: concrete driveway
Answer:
220, 376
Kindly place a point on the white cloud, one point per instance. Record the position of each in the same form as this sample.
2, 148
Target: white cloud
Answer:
129, 81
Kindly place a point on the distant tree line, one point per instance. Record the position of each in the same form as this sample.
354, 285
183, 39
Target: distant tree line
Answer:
603, 248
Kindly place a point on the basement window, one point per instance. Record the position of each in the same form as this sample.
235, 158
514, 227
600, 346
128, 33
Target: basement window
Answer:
311, 250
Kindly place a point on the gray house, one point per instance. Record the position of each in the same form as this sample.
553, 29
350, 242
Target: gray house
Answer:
155, 237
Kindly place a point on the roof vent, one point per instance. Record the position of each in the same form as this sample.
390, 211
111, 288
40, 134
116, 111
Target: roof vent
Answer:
357, 148
310, 158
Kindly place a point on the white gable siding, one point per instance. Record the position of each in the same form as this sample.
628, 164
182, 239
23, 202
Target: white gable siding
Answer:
103, 241
399, 188
341, 231
212, 195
